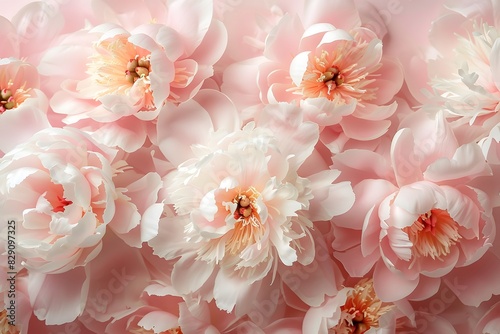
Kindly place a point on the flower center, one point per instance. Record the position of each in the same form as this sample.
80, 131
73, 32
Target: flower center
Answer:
141, 330
248, 227
433, 234
335, 74
361, 311
10, 99
137, 69
56, 199
5, 326
119, 66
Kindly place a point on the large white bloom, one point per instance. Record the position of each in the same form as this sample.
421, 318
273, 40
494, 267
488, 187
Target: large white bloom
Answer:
243, 210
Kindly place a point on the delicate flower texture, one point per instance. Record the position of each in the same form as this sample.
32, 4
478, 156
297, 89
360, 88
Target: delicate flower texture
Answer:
131, 74
22, 105
468, 85
242, 209
58, 189
352, 311
425, 224
335, 70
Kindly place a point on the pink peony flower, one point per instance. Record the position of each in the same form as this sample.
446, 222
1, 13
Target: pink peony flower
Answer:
333, 67
352, 310
243, 213
120, 78
58, 189
425, 223
23, 106
453, 68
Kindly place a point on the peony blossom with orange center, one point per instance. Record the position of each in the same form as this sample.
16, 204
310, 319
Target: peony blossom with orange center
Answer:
338, 74
433, 234
361, 311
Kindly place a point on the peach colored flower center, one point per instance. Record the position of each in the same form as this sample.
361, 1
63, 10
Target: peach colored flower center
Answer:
140, 330
248, 227
433, 234
119, 65
10, 99
5, 327
336, 75
361, 310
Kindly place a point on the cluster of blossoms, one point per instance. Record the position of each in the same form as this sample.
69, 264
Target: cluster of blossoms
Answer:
230, 166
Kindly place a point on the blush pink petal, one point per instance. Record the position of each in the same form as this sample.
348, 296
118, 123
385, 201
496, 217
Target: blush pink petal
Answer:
476, 282
127, 133
406, 165
384, 281
467, 163
427, 288
58, 299
228, 290
317, 283
390, 81
169, 242
330, 200
284, 36
355, 262
495, 63
221, 109
121, 271
194, 27
9, 39
189, 274
364, 130
344, 238
360, 164
213, 45
32, 39
343, 13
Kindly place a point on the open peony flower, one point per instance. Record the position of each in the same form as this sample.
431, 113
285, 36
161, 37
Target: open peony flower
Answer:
130, 74
58, 189
23, 106
457, 61
353, 310
425, 222
243, 213
333, 67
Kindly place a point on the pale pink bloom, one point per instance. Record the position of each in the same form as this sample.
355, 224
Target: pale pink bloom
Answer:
23, 107
467, 80
334, 68
353, 310
423, 222
58, 188
119, 78
454, 66
243, 214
